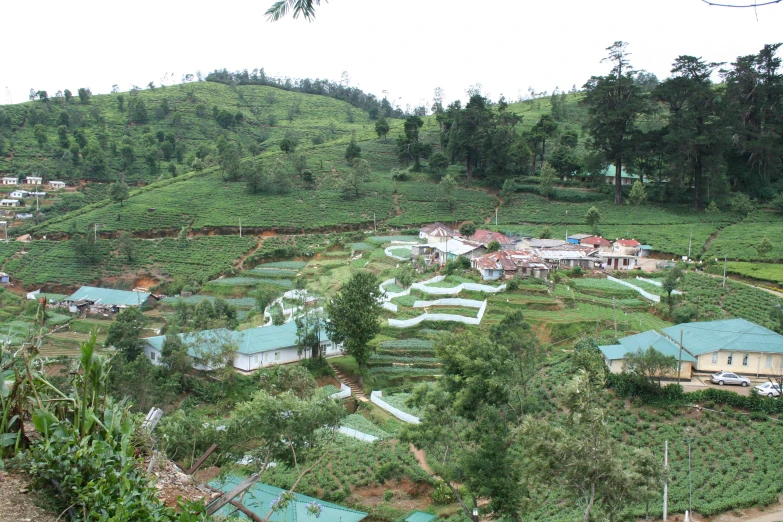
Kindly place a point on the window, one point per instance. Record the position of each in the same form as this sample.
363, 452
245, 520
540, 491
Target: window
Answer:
745, 360
277, 356
768, 363
715, 358
729, 359
152, 356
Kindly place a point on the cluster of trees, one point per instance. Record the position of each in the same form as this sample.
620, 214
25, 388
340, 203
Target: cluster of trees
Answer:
337, 90
485, 435
706, 137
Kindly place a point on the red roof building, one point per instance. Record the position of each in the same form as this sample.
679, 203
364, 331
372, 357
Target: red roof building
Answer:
485, 237
596, 242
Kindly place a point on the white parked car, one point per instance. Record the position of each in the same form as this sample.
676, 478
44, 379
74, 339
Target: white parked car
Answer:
722, 378
770, 389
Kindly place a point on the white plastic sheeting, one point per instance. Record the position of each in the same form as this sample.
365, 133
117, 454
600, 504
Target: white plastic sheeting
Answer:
375, 398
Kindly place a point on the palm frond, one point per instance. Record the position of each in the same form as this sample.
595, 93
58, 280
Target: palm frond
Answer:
304, 7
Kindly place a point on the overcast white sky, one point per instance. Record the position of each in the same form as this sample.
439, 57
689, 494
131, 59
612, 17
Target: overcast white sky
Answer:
407, 47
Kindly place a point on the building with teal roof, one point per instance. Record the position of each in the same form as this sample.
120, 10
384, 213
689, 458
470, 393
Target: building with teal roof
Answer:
251, 349
735, 345
625, 177
615, 354
107, 298
259, 499
420, 516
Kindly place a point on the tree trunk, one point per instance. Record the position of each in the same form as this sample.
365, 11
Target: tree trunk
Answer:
618, 181
469, 167
590, 503
697, 174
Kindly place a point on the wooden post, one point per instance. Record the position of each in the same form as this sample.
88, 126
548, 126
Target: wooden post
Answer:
226, 498
666, 482
201, 460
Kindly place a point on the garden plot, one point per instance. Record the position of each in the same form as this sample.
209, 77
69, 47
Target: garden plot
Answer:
404, 358
399, 252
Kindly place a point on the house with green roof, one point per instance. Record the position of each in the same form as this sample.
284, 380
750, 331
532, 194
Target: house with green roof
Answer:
615, 354
248, 350
625, 177
260, 497
106, 299
420, 516
735, 345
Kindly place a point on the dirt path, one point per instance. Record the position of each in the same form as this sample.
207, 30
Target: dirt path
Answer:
769, 291
397, 209
240, 264
488, 221
421, 458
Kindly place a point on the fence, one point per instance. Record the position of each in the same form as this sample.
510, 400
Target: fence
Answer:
375, 398
350, 432
648, 295
405, 323
344, 392
454, 301
651, 281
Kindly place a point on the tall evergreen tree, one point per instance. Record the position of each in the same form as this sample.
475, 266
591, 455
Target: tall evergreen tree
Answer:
694, 125
613, 103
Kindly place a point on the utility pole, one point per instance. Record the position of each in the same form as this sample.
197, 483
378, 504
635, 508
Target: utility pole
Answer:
36, 200
679, 359
724, 270
373, 223
689, 244
240, 227
666, 480
614, 311
95, 233
496, 216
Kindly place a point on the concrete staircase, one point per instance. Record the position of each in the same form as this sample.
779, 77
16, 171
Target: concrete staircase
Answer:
353, 384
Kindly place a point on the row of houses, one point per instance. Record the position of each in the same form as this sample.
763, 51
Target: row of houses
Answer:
735, 345
526, 256
33, 180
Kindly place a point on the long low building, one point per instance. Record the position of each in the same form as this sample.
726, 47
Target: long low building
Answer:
250, 349
735, 345
106, 298
616, 354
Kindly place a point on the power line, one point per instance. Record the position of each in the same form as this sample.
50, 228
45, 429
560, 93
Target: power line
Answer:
754, 4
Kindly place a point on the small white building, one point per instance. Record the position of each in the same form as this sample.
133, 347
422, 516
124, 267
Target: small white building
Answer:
249, 349
8, 180
55, 185
617, 261
18, 194
10, 203
34, 180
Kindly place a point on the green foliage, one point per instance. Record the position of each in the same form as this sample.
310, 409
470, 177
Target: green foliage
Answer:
638, 193
125, 331
546, 180
592, 218
353, 315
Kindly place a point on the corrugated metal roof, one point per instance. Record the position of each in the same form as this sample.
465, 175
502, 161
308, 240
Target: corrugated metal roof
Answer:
659, 342
109, 296
455, 247
250, 341
420, 516
728, 334
260, 496
642, 341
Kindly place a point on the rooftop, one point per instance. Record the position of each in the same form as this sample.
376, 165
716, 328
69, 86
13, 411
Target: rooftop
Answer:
438, 229
456, 247
260, 496
545, 243
250, 341
420, 516
627, 242
728, 334
109, 296
487, 236
595, 240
